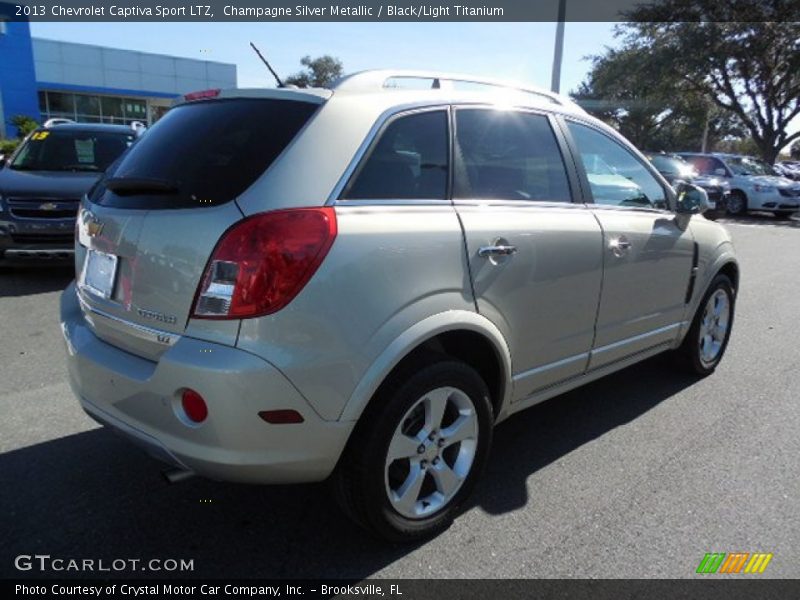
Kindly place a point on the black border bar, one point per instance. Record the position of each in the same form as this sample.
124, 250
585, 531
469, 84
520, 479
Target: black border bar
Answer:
711, 587
269, 11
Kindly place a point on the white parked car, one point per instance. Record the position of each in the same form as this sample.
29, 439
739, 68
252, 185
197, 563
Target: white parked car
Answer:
755, 185
788, 169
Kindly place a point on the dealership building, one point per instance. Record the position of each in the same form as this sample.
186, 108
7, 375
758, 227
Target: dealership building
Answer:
45, 79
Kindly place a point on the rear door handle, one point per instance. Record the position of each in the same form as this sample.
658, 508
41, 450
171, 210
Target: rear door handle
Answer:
497, 250
620, 245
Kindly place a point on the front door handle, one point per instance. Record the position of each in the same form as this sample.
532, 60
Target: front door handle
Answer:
500, 250
619, 245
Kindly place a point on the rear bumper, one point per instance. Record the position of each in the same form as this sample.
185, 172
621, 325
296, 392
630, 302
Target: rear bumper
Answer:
141, 400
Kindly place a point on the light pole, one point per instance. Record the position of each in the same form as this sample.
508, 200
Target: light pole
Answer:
558, 52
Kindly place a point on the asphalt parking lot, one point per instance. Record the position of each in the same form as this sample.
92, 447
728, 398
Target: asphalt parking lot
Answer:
638, 475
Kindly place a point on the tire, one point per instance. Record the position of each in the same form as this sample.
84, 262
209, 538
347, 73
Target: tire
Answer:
369, 485
704, 345
737, 203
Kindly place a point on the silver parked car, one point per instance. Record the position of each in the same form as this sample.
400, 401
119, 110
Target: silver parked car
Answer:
357, 284
754, 184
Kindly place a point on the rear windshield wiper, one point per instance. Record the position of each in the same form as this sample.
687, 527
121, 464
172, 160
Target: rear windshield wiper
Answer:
137, 185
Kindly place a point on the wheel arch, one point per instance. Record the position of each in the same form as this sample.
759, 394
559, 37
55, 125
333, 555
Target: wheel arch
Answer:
731, 269
726, 264
461, 335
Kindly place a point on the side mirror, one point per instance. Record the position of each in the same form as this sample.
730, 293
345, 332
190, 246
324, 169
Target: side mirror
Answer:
692, 200
721, 172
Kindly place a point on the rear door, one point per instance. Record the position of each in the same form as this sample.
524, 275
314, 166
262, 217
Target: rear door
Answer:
648, 253
147, 230
535, 255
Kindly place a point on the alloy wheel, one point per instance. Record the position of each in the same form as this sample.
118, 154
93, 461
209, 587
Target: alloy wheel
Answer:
714, 326
431, 452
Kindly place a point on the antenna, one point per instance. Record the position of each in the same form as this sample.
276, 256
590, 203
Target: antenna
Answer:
264, 60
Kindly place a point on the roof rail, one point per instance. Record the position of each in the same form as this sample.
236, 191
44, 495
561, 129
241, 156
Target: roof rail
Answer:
138, 128
377, 79
57, 121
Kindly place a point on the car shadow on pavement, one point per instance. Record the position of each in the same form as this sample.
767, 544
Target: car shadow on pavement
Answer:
34, 279
93, 495
534, 438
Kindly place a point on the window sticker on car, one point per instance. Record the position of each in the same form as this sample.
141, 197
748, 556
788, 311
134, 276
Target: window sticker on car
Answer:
40, 135
85, 151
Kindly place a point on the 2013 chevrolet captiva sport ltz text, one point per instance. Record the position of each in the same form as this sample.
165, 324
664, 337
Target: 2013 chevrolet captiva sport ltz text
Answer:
291, 285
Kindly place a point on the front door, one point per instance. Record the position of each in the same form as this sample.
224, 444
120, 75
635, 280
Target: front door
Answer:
648, 253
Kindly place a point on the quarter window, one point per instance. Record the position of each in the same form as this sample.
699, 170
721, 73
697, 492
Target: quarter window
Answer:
407, 161
615, 175
509, 155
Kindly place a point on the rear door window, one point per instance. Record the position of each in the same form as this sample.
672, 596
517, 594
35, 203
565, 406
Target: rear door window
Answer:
509, 155
408, 160
203, 153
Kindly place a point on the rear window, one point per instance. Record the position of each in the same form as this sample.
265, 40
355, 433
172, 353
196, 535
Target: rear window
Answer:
203, 153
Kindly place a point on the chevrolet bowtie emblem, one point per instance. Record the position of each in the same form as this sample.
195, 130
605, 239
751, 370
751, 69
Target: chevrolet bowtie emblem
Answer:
48, 206
94, 227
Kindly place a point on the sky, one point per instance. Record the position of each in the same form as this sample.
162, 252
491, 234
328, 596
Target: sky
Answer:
520, 51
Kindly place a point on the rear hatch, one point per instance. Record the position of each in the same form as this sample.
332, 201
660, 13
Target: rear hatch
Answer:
147, 229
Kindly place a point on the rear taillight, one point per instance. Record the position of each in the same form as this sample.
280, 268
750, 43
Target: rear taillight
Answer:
263, 262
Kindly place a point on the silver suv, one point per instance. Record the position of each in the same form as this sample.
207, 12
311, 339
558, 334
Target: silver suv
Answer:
281, 286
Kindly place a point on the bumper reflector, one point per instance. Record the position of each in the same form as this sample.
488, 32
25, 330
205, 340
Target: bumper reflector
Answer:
281, 417
194, 406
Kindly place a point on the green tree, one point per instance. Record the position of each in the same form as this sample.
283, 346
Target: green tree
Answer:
7, 147
318, 72
634, 92
749, 68
738, 146
24, 124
